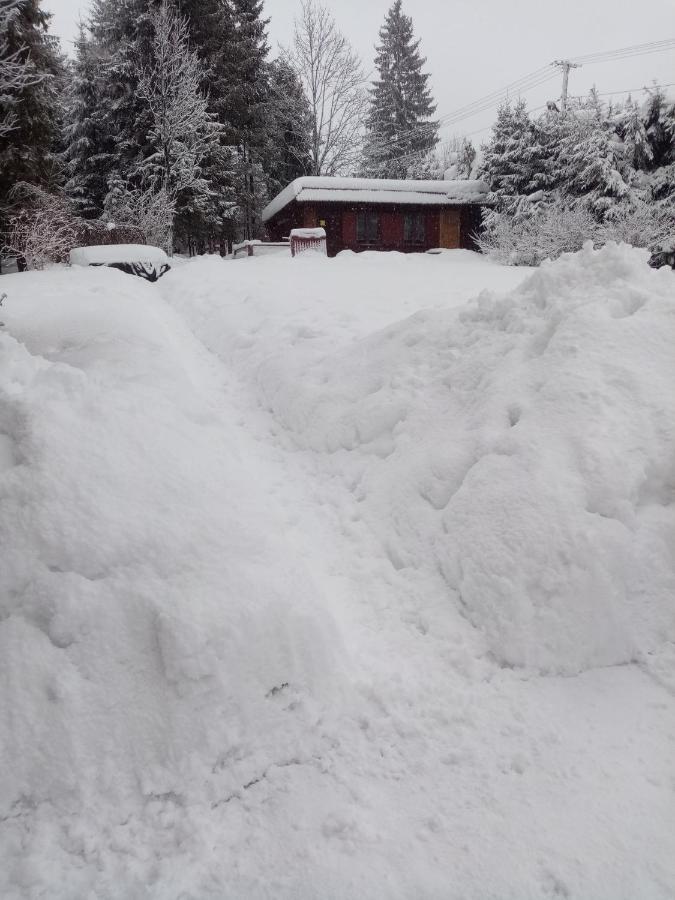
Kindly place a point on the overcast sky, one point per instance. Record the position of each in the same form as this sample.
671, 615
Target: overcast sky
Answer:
475, 47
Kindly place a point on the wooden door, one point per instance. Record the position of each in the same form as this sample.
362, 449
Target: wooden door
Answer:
449, 229
331, 220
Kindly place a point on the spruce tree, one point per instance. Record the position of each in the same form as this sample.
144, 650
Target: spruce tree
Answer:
659, 123
594, 168
511, 158
287, 152
28, 152
89, 136
245, 109
631, 128
399, 124
122, 31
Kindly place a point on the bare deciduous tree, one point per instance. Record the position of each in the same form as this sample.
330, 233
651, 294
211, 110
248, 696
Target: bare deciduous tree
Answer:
43, 232
332, 77
183, 133
16, 72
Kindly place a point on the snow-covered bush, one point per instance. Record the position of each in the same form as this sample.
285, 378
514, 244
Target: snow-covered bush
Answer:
43, 231
101, 234
641, 225
544, 232
547, 230
152, 211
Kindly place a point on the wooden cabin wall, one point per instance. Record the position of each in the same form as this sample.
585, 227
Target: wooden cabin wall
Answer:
349, 227
391, 229
433, 230
449, 227
310, 218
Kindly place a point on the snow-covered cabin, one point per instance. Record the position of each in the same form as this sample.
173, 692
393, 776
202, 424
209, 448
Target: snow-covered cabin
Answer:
380, 214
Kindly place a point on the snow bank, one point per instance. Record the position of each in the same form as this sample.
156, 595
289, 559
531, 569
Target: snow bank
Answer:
155, 628
117, 253
256, 604
523, 447
540, 427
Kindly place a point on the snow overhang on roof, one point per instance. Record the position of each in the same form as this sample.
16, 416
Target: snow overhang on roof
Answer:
377, 190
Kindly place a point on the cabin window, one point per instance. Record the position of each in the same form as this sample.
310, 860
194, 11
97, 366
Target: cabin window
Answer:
367, 227
414, 228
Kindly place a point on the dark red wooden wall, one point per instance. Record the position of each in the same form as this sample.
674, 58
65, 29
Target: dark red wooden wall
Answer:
340, 223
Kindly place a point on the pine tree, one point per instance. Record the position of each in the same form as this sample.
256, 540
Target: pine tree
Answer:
659, 123
631, 127
210, 222
245, 108
122, 32
288, 145
399, 123
594, 169
90, 146
512, 158
453, 159
230, 38
29, 150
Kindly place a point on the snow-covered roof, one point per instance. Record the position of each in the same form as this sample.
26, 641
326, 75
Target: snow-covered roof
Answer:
329, 189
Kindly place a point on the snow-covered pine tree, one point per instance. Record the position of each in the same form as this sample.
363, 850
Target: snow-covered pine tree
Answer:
453, 159
659, 122
512, 158
630, 126
90, 146
244, 108
592, 158
288, 148
122, 34
28, 152
16, 71
400, 123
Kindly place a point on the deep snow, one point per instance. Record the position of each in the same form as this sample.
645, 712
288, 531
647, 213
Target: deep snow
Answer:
320, 581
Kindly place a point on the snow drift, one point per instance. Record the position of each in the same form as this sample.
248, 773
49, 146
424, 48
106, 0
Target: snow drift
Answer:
251, 599
523, 446
149, 610
540, 429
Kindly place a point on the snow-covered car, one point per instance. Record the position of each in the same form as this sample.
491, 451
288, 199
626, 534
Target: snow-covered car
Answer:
136, 259
663, 258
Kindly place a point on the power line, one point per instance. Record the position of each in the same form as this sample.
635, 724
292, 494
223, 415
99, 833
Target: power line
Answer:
630, 90
419, 154
522, 85
626, 52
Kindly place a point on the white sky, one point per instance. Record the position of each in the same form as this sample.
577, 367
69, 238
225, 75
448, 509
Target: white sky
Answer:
474, 47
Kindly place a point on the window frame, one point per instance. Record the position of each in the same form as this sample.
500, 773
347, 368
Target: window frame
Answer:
414, 228
368, 226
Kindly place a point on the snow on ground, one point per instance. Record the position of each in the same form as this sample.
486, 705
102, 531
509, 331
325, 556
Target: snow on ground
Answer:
322, 579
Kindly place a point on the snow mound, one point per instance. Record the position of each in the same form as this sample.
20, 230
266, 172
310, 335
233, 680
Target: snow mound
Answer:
524, 447
150, 612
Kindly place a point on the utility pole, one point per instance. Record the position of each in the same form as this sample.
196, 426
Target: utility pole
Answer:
565, 65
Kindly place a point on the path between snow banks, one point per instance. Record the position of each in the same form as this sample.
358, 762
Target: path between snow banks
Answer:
234, 660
